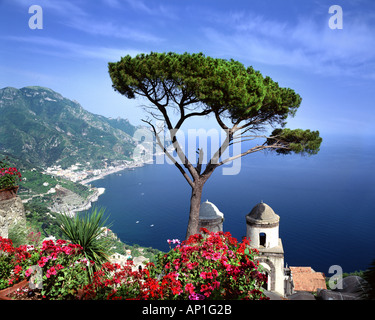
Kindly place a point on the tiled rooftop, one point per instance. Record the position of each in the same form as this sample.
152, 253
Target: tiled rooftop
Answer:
306, 279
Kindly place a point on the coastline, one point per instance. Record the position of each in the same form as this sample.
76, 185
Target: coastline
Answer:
99, 191
88, 204
112, 170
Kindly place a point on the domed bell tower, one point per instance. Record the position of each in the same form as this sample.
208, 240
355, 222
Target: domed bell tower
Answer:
210, 217
262, 228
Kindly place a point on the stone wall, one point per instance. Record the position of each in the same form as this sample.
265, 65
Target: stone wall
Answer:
213, 225
11, 211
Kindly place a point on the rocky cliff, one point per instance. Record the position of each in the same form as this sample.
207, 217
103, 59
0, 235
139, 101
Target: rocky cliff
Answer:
11, 211
40, 126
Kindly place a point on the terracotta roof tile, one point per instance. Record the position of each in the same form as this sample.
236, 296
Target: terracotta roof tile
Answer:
306, 279
301, 269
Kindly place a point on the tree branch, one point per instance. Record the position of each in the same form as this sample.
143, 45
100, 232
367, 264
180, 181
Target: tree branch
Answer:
252, 150
213, 163
218, 119
200, 161
191, 183
182, 119
173, 131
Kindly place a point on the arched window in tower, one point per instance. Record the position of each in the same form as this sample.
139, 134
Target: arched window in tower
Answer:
262, 239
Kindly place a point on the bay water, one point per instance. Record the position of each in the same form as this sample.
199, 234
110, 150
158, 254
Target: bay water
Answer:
326, 202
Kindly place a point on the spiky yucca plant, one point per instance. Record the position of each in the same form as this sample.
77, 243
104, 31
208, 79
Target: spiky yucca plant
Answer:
87, 231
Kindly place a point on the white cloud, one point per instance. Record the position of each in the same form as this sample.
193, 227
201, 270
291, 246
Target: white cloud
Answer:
308, 44
156, 9
60, 7
60, 48
77, 17
139, 6
24, 77
110, 29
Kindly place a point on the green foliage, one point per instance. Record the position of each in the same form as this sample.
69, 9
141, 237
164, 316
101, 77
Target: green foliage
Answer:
122, 124
298, 141
357, 273
217, 264
33, 184
65, 283
12, 262
78, 188
62, 267
223, 87
87, 232
18, 233
40, 219
65, 269
213, 266
5, 269
369, 276
196, 85
9, 175
40, 126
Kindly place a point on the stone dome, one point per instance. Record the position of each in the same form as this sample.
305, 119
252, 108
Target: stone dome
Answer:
262, 213
208, 211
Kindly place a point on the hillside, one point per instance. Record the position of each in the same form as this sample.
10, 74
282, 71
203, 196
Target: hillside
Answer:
41, 127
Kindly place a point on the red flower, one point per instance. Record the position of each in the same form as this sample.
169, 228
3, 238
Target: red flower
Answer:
189, 288
60, 242
204, 230
207, 264
17, 269
51, 271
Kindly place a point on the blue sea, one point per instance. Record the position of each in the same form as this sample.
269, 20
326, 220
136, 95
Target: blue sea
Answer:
326, 202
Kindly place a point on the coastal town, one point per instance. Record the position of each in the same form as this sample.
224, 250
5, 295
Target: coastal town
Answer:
67, 201
78, 173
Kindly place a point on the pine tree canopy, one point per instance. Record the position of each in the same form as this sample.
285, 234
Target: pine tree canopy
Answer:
197, 85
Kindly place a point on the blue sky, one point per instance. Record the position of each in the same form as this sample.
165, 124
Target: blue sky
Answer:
290, 41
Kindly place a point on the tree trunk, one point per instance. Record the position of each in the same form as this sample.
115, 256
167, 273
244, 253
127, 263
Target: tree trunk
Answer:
195, 203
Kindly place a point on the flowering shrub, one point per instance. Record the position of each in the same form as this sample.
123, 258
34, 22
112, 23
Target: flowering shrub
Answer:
64, 269
212, 266
113, 281
208, 266
34, 238
12, 262
9, 176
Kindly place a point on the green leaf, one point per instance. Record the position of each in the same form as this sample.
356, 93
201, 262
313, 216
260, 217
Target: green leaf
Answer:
87, 231
298, 141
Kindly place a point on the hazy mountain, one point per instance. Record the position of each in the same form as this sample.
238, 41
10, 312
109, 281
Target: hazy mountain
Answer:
42, 127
